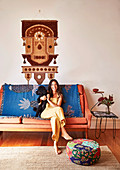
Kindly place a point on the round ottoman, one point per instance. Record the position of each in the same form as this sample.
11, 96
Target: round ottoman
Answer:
83, 151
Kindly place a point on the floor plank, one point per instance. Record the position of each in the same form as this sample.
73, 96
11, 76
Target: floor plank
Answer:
44, 139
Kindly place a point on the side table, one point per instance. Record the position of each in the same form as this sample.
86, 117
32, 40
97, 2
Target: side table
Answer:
101, 115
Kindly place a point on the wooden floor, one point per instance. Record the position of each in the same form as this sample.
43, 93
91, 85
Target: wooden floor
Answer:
44, 139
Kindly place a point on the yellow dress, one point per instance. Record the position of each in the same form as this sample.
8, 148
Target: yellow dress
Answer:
56, 116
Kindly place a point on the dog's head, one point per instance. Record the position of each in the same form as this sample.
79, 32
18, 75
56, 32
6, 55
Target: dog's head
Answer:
41, 91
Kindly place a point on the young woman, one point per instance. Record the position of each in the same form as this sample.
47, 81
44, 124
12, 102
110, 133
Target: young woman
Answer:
55, 113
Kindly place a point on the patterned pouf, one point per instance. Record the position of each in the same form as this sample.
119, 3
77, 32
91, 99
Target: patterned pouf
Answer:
83, 151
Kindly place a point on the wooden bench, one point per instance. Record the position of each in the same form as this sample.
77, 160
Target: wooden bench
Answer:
38, 125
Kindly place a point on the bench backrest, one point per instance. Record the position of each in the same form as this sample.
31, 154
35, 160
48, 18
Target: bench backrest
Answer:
9, 94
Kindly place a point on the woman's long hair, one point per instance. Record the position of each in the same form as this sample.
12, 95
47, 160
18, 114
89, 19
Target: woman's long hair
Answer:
58, 88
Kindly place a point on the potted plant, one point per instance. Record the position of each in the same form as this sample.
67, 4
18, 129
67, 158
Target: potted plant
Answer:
108, 101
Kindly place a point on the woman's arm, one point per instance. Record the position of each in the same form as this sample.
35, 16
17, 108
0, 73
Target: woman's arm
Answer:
53, 104
43, 98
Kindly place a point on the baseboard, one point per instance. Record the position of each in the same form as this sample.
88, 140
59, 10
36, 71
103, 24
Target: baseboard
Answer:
109, 123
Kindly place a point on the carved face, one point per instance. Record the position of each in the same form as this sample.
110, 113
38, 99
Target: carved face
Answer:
39, 44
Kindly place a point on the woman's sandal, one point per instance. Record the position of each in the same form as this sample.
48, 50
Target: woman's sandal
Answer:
58, 151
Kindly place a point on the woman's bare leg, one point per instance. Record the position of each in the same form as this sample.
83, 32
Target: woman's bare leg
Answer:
65, 135
57, 150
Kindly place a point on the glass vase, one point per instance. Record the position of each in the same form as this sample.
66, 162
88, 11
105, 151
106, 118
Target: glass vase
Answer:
108, 109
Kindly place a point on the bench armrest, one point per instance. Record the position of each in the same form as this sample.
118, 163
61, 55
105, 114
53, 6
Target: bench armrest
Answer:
88, 116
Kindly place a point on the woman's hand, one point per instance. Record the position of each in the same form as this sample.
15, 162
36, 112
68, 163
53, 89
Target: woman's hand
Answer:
43, 98
48, 96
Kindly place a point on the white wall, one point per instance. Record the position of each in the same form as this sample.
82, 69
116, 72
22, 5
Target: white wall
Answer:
88, 44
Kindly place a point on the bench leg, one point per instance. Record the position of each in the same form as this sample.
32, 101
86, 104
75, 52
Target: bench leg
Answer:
1, 132
1, 135
86, 133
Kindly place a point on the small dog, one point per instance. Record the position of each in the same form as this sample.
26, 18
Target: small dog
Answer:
42, 104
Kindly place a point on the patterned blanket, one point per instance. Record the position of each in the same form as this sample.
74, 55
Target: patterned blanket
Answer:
19, 100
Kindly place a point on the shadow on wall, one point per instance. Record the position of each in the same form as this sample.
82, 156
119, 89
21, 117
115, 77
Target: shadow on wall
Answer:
91, 102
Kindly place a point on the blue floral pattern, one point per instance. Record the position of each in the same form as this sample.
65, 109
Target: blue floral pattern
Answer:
69, 113
71, 106
25, 104
67, 88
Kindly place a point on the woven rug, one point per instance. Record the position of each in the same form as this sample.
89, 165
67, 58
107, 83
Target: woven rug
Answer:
43, 157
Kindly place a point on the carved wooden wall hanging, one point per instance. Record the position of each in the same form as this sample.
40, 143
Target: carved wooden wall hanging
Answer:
39, 38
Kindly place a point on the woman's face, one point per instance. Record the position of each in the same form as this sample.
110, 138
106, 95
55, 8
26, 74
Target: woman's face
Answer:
54, 86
